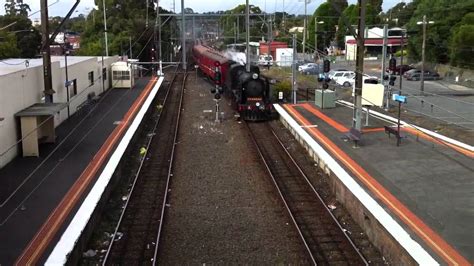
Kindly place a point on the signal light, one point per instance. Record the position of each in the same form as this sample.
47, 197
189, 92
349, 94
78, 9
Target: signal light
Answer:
392, 64
326, 65
217, 77
392, 80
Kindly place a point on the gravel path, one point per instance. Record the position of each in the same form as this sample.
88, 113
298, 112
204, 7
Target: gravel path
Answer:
222, 207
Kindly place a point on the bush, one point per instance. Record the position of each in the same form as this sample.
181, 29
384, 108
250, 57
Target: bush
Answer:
399, 53
284, 86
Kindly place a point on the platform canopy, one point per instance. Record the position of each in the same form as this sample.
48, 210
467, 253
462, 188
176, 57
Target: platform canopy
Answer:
41, 109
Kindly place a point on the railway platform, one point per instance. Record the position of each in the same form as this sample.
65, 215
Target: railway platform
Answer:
424, 184
39, 196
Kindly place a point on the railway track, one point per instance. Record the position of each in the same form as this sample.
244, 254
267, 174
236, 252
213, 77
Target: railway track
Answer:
323, 236
136, 237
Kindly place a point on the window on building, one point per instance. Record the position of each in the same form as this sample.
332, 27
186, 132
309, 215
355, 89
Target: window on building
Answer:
91, 78
73, 88
104, 73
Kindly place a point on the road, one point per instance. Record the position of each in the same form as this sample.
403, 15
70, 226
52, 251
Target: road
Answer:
450, 103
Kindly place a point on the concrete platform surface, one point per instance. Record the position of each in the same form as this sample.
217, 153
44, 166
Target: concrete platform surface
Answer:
425, 183
31, 188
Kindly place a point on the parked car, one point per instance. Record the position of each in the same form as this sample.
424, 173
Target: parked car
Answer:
400, 69
341, 75
333, 71
265, 60
310, 69
428, 75
350, 81
411, 72
306, 66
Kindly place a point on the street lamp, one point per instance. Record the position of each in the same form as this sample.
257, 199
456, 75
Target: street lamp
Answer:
316, 22
422, 76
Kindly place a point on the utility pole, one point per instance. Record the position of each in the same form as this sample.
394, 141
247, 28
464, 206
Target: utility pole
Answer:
131, 48
247, 34
384, 50
270, 35
423, 47
238, 30
304, 27
356, 120
315, 37
235, 32
183, 27
293, 71
48, 82
105, 30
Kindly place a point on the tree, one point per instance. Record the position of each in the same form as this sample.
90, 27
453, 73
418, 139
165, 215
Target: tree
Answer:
376, 5
16, 7
8, 47
228, 21
327, 30
447, 16
399, 15
461, 49
27, 38
351, 14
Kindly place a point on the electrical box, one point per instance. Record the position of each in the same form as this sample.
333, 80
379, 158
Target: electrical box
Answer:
328, 97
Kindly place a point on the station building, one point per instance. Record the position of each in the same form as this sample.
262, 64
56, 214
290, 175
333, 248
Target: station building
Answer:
22, 99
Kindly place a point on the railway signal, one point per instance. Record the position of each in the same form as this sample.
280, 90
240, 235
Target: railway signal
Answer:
326, 65
392, 64
392, 80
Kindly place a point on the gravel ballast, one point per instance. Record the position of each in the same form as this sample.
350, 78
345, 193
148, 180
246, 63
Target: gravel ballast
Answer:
223, 207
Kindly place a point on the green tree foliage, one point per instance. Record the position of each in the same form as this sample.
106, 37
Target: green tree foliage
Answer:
27, 39
399, 15
16, 7
462, 42
257, 27
351, 13
447, 16
8, 48
125, 19
327, 19
376, 5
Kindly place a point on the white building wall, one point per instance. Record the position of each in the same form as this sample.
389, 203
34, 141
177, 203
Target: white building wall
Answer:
23, 88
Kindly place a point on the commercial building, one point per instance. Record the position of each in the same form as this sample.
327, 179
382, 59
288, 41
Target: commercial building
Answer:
22, 99
374, 42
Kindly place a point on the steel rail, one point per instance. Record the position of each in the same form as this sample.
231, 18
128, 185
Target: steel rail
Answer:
137, 174
170, 167
267, 166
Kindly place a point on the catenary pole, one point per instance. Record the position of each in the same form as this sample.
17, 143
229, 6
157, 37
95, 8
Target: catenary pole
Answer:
48, 83
247, 34
183, 40
105, 30
293, 70
356, 120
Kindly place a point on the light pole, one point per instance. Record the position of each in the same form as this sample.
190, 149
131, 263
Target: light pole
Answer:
423, 46
105, 30
316, 22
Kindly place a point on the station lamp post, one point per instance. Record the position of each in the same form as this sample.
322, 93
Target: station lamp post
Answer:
424, 22
316, 22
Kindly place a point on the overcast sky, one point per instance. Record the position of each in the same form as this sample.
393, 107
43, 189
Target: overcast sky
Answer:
61, 7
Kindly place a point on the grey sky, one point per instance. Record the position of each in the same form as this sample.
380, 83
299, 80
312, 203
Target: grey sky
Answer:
291, 6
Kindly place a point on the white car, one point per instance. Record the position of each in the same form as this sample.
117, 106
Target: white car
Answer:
350, 81
337, 76
265, 60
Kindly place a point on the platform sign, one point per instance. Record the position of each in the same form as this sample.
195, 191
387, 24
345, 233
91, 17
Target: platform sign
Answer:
280, 95
68, 83
399, 98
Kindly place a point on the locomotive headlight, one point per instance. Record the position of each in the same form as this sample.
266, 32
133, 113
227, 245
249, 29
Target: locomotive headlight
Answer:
257, 104
255, 76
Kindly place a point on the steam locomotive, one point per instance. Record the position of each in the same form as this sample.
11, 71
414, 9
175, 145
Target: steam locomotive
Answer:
248, 91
